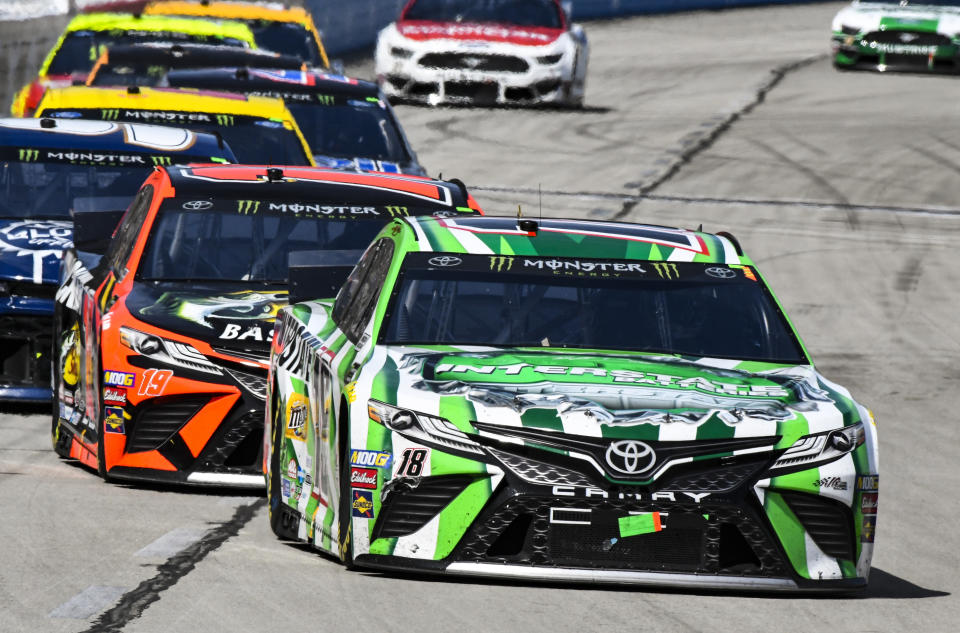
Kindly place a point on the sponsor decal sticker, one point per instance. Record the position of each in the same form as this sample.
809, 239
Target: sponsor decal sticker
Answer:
412, 461
297, 417
119, 378
154, 382
869, 502
835, 483
637, 524
442, 260
363, 477
869, 529
285, 487
113, 420
292, 469
719, 272
370, 458
115, 395
197, 205
362, 504
868, 483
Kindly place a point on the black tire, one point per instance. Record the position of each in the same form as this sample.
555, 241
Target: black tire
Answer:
345, 510
101, 430
273, 482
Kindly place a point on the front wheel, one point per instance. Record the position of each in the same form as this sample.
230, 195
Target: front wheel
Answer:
284, 522
345, 508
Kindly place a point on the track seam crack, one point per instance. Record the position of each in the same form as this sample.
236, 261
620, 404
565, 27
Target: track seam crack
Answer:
705, 141
133, 603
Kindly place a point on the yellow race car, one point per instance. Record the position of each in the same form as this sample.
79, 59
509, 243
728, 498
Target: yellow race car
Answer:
259, 130
287, 30
88, 35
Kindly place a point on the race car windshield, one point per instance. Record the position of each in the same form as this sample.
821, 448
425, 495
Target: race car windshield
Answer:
660, 307
542, 13
262, 143
288, 38
244, 243
53, 190
349, 130
81, 49
916, 3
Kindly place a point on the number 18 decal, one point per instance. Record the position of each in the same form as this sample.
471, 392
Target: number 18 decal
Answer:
154, 382
411, 462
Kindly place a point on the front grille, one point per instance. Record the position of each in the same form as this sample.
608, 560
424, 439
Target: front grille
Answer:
25, 345
468, 61
409, 504
828, 522
695, 477
157, 421
471, 90
541, 473
260, 356
717, 538
911, 38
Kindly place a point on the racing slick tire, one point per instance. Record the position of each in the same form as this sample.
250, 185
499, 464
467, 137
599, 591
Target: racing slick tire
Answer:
283, 521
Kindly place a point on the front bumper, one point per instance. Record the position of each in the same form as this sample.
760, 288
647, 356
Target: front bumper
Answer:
409, 80
26, 334
935, 54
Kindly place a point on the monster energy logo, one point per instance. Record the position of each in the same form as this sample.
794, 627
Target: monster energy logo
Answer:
110, 114
225, 119
396, 212
247, 207
325, 100
500, 263
160, 160
29, 155
666, 270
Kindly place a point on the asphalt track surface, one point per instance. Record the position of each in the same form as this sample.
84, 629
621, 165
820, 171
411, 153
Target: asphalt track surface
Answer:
842, 186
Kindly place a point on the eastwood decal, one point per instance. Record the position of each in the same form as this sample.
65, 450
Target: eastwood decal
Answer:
696, 383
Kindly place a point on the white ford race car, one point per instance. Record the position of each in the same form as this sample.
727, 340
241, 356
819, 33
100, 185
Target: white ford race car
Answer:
510, 52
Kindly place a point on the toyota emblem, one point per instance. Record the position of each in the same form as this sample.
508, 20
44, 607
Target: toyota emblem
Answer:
721, 273
630, 457
445, 261
906, 38
197, 205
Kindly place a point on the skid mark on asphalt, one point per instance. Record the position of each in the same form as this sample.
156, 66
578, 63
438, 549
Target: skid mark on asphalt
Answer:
909, 275
133, 603
700, 140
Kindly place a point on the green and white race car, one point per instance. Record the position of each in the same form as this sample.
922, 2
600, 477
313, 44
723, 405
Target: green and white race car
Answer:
566, 400
921, 36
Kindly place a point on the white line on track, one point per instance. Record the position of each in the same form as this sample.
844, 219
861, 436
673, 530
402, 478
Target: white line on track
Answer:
88, 602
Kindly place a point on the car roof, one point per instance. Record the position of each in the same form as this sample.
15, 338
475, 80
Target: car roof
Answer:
586, 239
136, 22
163, 99
109, 136
275, 12
310, 184
189, 55
275, 82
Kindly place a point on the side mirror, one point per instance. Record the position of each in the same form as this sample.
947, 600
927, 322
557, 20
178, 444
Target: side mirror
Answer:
93, 230
319, 274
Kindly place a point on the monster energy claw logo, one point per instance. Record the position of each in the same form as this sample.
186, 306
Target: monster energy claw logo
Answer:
225, 119
247, 207
160, 160
29, 155
500, 263
111, 114
396, 212
666, 270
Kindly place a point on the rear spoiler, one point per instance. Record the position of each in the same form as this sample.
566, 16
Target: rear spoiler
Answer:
319, 274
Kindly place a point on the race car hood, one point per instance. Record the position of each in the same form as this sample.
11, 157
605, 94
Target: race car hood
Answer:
887, 16
233, 317
644, 397
30, 250
424, 30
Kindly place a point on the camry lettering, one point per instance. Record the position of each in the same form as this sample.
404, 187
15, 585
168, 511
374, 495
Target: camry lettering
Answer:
597, 493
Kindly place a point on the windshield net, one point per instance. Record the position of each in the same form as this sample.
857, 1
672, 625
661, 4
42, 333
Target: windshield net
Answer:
249, 240
541, 13
676, 308
81, 49
352, 129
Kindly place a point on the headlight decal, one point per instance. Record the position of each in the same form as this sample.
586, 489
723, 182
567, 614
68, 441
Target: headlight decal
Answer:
819, 448
167, 351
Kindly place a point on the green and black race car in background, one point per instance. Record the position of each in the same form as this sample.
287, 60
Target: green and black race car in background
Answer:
921, 36
566, 400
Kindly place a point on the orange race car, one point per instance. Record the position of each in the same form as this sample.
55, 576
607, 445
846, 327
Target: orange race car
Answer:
161, 337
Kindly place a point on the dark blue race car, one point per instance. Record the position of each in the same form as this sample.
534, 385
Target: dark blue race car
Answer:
50, 171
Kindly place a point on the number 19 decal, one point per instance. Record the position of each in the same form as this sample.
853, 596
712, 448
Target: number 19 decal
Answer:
154, 382
411, 462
